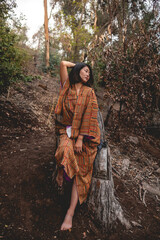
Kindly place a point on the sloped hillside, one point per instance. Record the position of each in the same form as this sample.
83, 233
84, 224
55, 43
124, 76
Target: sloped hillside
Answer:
30, 205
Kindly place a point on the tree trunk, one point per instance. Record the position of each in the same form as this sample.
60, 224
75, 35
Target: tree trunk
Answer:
101, 199
46, 33
77, 40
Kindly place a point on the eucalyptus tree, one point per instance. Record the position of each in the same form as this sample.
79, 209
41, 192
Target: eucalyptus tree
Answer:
126, 57
72, 27
46, 33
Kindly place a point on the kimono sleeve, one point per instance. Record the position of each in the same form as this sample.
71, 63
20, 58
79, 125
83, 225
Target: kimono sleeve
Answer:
89, 122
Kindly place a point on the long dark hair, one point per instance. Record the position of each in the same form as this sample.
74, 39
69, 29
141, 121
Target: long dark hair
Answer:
74, 76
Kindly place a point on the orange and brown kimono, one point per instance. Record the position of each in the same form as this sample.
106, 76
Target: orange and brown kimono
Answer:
79, 112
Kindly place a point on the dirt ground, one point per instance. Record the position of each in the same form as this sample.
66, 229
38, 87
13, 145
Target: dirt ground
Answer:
30, 206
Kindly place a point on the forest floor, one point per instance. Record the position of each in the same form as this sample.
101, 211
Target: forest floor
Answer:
30, 206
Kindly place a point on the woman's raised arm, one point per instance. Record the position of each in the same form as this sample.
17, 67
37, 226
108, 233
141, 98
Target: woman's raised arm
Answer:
63, 70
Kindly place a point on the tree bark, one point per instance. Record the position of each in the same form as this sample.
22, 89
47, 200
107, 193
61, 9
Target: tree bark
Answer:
46, 33
101, 199
76, 49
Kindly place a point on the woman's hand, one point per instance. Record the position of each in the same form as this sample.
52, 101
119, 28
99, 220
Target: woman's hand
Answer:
78, 145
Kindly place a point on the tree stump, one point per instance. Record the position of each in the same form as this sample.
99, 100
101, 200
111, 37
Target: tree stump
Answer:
101, 199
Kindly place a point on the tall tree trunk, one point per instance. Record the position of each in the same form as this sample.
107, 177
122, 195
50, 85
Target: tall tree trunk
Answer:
46, 33
76, 49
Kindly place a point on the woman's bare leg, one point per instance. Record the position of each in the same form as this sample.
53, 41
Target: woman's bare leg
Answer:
67, 223
59, 178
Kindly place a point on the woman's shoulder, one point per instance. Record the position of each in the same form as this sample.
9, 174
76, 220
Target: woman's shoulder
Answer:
88, 89
89, 92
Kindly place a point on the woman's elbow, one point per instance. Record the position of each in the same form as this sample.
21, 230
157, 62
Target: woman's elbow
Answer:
62, 63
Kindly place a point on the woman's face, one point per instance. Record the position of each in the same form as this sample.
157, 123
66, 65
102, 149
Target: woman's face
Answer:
84, 74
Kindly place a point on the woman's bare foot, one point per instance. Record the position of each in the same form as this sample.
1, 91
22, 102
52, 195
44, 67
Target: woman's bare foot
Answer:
59, 178
67, 223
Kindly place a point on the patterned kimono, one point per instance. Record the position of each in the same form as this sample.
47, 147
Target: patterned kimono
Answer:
79, 112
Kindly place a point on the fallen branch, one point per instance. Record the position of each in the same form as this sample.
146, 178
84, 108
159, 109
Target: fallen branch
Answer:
147, 188
155, 190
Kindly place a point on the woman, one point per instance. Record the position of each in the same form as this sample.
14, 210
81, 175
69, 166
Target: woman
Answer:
79, 132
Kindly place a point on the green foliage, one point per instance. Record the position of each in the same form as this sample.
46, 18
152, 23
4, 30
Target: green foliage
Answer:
13, 56
9, 57
54, 62
28, 78
72, 29
6, 6
20, 29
